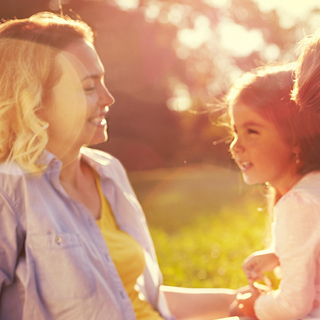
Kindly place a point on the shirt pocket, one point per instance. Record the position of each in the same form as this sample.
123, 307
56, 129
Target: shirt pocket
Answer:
60, 267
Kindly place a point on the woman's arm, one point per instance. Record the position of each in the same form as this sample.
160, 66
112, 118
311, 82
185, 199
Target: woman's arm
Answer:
11, 241
198, 304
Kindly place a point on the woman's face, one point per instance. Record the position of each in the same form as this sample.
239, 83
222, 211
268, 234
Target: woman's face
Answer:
260, 151
79, 102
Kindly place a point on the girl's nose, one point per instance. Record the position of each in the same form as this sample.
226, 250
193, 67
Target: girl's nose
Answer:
236, 146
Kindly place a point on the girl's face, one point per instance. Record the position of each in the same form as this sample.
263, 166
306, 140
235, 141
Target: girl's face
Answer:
79, 103
261, 152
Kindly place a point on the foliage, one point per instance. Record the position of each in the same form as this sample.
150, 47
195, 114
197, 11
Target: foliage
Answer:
209, 253
169, 62
204, 221
208, 65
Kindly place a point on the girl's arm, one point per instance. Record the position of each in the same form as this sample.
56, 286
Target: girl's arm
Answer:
259, 262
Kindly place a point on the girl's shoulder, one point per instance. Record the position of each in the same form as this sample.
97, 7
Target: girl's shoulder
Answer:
308, 186
305, 193
297, 213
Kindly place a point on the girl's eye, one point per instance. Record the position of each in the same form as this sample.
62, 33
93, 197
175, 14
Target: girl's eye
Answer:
251, 131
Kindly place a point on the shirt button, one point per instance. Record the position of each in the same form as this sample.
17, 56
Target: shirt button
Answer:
58, 239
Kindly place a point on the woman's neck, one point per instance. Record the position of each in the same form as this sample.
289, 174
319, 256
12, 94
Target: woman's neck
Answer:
73, 170
78, 181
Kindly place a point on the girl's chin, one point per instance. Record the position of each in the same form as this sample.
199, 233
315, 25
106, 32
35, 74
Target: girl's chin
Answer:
251, 181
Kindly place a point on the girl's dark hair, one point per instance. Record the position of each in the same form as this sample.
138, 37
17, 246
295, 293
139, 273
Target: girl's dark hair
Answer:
267, 90
306, 93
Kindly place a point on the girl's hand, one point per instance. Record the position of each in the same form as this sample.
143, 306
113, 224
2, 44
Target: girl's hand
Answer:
243, 305
257, 263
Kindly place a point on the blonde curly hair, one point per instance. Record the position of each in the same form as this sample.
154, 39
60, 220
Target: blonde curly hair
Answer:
29, 71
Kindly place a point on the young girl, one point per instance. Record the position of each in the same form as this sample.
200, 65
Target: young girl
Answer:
277, 142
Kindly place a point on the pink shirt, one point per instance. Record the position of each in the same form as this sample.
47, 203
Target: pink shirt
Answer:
296, 240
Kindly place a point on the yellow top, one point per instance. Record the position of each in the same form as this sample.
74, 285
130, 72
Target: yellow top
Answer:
128, 257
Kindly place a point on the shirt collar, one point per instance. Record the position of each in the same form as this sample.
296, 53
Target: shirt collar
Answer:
97, 160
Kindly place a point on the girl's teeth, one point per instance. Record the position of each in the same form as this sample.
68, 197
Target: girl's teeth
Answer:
245, 165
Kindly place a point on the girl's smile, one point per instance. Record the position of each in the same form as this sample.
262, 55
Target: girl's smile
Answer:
244, 166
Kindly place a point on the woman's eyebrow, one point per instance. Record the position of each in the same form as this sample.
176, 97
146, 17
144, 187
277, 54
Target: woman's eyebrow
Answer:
93, 76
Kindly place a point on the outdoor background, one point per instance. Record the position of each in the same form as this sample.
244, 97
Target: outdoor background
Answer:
168, 64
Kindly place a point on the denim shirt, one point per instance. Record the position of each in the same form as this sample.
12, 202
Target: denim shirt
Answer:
54, 262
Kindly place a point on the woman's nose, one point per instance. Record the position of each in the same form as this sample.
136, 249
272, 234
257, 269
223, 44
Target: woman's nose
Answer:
106, 98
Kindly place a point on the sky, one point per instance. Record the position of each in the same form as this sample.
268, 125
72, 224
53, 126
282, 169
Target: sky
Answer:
233, 37
250, 40
286, 7
297, 8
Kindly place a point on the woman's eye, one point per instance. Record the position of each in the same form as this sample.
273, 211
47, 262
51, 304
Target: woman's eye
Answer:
88, 89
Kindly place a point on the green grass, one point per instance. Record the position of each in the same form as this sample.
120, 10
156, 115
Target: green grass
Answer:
204, 221
209, 253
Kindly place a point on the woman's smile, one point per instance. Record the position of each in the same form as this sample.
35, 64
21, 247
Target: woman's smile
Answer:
80, 101
99, 120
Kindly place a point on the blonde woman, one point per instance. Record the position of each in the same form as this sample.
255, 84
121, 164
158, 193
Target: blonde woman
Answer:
74, 243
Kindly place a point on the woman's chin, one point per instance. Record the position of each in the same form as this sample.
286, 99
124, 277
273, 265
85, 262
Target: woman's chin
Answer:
97, 139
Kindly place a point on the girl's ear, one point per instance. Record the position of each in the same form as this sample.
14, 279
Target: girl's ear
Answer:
296, 149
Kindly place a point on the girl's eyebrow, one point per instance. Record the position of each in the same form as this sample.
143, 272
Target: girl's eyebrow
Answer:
252, 123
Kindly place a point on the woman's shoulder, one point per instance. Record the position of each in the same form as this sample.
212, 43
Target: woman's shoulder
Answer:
10, 168
11, 177
13, 187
